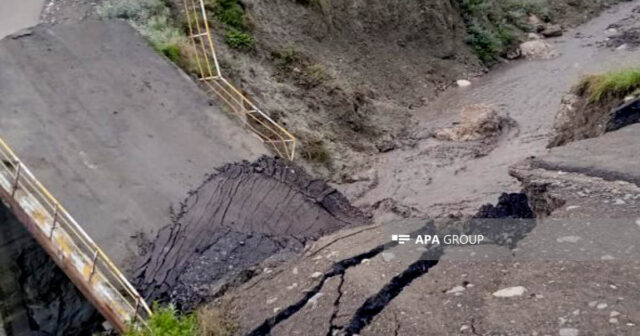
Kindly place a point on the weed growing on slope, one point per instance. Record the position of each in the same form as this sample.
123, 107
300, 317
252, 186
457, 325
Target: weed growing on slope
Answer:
611, 85
232, 15
167, 321
152, 19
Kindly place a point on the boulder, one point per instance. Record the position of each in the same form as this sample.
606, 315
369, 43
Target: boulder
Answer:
553, 30
537, 49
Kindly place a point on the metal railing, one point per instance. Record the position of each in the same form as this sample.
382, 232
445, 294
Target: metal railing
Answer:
71, 244
264, 127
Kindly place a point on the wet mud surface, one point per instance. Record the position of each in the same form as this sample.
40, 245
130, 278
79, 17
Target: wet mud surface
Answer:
240, 216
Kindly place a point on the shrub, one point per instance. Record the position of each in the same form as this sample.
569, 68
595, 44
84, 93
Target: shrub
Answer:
286, 58
136, 10
614, 84
230, 12
167, 322
237, 39
494, 25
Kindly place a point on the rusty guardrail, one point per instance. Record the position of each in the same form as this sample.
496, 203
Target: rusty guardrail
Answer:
265, 128
68, 244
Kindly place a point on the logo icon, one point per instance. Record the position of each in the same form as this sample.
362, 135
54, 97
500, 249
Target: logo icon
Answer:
401, 239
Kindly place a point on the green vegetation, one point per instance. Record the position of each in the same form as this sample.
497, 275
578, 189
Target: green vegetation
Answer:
152, 18
238, 39
494, 26
167, 322
612, 85
232, 15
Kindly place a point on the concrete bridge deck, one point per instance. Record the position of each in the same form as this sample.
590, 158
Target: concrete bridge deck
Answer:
117, 133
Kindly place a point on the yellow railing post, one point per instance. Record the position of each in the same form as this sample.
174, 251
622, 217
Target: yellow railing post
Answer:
269, 131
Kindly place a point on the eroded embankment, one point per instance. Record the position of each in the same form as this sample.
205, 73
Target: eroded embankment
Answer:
240, 216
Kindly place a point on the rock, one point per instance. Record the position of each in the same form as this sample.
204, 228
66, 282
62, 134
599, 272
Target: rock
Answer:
316, 275
614, 314
592, 304
514, 54
553, 30
533, 36
602, 306
569, 332
457, 290
568, 239
619, 202
463, 82
384, 146
478, 122
613, 320
537, 49
388, 256
510, 292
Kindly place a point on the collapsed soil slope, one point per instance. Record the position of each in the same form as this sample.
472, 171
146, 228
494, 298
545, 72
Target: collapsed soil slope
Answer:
240, 216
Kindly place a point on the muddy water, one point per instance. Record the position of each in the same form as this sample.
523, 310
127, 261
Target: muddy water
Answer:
437, 177
18, 14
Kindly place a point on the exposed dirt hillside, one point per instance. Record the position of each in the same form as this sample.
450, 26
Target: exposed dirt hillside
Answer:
344, 76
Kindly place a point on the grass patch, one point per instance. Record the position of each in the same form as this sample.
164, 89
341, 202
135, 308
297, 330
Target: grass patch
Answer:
168, 321
237, 39
153, 20
611, 85
231, 14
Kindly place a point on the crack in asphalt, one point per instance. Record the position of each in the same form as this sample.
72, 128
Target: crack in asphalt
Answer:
374, 304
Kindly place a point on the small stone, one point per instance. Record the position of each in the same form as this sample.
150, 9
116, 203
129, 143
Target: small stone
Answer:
631, 324
271, 300
602, 305
316, 275
293, 285
638, 222
569, 332
607, 257
457, 290
613, 320
464, 327
553, 30
614, 314
572, 207
294, 271
576, 312
276, 310
568, 239
510, 292
611, 31
388, 256
366, 261
592, 304
463, 82
619, 201
533, 36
